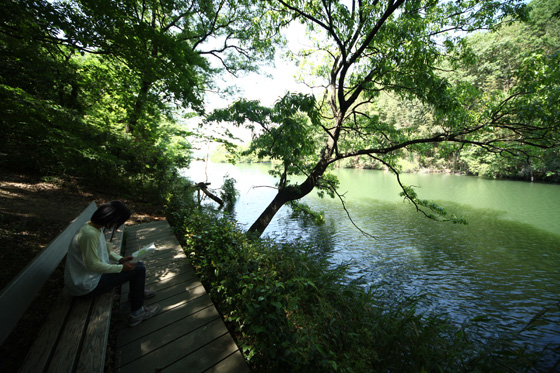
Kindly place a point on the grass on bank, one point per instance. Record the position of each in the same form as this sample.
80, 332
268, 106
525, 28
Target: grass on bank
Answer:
290, 309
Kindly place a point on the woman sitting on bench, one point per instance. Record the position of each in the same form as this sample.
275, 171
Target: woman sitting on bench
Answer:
89, 270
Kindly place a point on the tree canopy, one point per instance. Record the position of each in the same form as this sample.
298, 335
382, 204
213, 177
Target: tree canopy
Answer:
423, 56
96, 87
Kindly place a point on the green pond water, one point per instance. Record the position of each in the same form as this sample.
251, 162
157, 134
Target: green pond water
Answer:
505, 264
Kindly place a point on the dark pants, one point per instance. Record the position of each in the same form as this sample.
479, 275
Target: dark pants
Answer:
136, 279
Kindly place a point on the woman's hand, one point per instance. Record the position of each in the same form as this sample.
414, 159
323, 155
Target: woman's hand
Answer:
128, 266
125, 259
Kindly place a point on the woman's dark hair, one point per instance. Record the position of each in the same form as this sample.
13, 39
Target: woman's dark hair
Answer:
113, 213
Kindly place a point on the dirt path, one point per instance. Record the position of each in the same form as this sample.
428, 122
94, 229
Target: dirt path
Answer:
33, 212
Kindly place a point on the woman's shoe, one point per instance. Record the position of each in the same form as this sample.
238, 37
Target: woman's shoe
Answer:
144, 314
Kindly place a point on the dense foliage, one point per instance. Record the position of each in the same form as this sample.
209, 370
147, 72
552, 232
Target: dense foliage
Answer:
96, 88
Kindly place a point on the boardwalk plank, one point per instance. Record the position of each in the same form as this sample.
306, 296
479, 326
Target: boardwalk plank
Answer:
38, 357
204, 358
167, 253
158, 269
65, 355
160, 284
188, 333
166, 335
96, 336
184, 346
172, 309
182, 290
232, 363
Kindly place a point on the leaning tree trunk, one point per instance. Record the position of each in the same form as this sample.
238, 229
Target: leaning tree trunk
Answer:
204, 188
290, 193
265, 218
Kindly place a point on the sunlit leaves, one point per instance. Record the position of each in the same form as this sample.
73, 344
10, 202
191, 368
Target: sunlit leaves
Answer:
283, 132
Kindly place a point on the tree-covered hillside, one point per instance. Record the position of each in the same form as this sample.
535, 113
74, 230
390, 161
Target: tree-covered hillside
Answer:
498, 62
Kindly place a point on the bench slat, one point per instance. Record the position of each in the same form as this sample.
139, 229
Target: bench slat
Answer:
92, 357
18, 294
39, 354
65, 355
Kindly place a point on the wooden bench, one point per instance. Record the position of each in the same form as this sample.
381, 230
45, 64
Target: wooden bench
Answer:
75, 334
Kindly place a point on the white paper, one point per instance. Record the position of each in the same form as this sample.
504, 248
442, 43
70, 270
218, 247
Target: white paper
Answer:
143, 252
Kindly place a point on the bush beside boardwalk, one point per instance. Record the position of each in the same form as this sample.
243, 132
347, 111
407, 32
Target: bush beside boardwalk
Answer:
291, 310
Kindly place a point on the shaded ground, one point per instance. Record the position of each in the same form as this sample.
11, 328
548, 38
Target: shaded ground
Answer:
33, 212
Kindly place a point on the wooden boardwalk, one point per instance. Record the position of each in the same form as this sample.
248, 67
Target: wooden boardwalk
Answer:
188, 334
